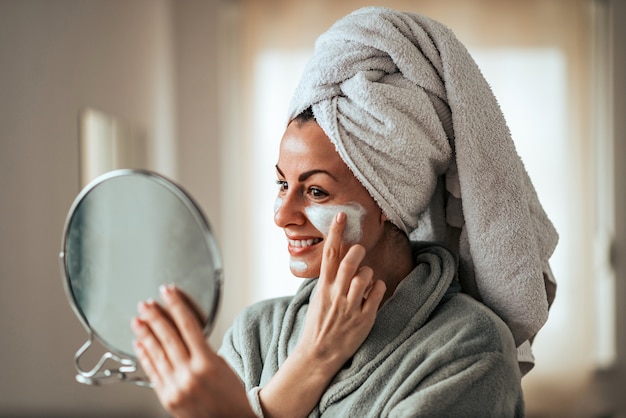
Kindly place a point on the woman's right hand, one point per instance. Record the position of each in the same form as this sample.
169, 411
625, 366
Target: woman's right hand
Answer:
339, 318
344, 306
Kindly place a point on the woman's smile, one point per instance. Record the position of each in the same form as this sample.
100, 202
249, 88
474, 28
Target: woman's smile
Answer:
299, 246
304, 252
303, 243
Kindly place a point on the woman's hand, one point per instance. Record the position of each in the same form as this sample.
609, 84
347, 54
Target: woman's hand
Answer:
344, 306
189, 378
339, 318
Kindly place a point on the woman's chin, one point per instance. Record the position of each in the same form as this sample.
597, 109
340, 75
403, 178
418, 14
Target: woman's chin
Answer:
302, 270
303, 274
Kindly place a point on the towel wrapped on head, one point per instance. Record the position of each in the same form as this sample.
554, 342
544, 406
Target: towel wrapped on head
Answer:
412, 116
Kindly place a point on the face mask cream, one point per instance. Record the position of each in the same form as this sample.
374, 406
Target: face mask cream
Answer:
277, 204
322, 216
297, 265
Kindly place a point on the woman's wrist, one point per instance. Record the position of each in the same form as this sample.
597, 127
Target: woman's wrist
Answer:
320, 361
304, 375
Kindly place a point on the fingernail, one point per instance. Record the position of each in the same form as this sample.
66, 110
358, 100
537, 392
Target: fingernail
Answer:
163, 290
136, 323
341, 217
143, 305
166, 291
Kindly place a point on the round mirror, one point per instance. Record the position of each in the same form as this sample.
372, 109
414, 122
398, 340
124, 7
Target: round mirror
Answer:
127, 233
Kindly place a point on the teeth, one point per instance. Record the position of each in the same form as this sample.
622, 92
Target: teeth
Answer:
303, 242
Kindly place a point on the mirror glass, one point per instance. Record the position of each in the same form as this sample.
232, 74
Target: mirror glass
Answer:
128, 232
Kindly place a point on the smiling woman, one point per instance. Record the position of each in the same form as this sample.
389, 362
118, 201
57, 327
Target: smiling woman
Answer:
537, 57
370, 151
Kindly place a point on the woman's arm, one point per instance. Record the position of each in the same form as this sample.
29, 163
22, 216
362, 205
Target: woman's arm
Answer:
339, 318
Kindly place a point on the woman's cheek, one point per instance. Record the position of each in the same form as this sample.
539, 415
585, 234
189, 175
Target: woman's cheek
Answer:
277, 204
322, 216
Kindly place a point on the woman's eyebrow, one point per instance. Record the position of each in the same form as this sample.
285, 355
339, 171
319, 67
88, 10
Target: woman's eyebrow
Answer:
307, 174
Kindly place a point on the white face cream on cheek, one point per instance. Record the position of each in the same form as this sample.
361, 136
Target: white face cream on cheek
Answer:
322, 216
277, 204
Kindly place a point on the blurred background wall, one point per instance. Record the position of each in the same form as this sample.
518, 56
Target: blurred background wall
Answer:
204, 83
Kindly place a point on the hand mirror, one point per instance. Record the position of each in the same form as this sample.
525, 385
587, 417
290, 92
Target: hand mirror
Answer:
127, 233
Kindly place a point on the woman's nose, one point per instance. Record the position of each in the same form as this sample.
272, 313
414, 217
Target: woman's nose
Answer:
288, 211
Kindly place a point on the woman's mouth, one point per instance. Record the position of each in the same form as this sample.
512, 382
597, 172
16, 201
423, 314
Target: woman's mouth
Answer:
298, 247
301, 243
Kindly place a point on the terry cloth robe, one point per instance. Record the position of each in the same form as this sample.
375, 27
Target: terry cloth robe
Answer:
432, 352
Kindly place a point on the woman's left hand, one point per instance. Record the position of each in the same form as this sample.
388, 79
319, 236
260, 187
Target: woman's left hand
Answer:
189, 378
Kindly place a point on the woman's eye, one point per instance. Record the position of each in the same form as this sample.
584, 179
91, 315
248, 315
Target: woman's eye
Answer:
316, 193
282, 185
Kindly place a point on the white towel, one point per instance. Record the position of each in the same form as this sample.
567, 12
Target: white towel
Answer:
412, 116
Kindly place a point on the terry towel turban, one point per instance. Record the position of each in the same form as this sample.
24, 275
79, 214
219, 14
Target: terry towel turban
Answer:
410, 113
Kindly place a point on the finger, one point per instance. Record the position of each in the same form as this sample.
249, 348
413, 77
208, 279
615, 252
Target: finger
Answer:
185, 317
146, 362
198, 312
374, 298
331, 255
368, 289
153, 356
360, 285
164, 331
349, 267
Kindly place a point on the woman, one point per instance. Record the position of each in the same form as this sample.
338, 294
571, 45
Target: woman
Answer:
394, 137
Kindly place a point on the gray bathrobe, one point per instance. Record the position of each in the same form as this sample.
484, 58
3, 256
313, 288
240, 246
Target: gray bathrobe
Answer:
433, 351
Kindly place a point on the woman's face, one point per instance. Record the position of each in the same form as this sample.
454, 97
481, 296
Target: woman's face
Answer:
314, 184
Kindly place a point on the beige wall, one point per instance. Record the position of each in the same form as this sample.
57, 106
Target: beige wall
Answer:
156, 64
55, 58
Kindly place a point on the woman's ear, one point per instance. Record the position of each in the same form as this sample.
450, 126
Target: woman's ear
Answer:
383, 217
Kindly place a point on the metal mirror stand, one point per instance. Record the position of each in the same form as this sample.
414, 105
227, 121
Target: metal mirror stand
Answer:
102, 373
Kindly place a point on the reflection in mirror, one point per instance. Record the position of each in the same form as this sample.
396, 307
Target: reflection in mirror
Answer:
127, 233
